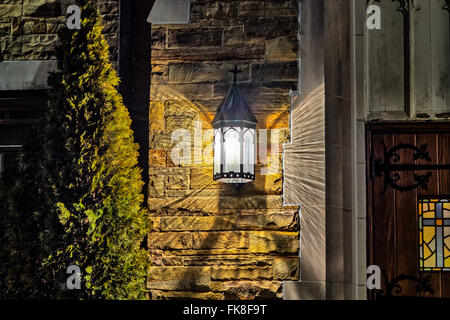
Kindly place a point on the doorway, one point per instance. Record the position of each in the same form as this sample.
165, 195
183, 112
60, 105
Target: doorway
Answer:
409, 208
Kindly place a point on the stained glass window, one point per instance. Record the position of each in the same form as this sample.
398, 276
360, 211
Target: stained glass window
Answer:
434, 234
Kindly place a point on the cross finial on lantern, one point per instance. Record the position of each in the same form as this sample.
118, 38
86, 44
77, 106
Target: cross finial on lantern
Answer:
235, 71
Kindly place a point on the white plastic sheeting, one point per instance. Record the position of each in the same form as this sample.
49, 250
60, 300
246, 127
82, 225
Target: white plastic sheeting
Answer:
170, 12
25, 75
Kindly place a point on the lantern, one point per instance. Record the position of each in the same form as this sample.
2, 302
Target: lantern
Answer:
234, 138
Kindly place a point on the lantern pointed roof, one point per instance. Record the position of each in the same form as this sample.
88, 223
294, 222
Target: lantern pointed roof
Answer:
234, 108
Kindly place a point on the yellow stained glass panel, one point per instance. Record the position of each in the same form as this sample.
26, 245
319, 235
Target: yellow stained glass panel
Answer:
426, 252
428, 215
446, 252
431, 261
434, 235
428, 234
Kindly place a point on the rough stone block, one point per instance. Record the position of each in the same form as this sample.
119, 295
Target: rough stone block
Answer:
185, 295
235, 36
220, 240
181, 92
194, 37
157, 157
210, 223
270, 98
275, 71
108, 7
222, 204
33, 26
37, 47
155, 224
207, 252
241, 273
180, 107
201, 178
172, 261
247, 290
205, 72
156, 257
286, 268
169, 240
281, 49
208, 54
42, 8
177, 182
265, 184
10, 10
5, 29
156, 115
219, 10
159, 140
156, 186
173, 123
179, 278
159, 38
274, 242
54, 25
278, 221
271, 9
229, 260
278, 120
110, 23
160, 74
271, 28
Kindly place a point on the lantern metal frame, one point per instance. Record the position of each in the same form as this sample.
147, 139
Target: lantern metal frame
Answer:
234, 114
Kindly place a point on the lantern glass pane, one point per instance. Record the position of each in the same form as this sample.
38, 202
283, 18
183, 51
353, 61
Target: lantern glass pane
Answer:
249, 151
217, 150
232, 149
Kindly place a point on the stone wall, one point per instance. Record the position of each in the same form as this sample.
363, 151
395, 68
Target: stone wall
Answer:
212, 240
28, 28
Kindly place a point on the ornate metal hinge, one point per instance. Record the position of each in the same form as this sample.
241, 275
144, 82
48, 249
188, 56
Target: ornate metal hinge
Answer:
404, 6
393, 288
390, 165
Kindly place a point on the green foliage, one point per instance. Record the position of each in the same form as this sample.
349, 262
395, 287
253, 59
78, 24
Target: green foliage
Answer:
75, 196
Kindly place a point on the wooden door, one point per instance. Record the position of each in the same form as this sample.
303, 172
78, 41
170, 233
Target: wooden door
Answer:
409, 174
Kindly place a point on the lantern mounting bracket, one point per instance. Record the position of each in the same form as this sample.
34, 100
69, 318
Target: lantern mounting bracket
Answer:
235, 72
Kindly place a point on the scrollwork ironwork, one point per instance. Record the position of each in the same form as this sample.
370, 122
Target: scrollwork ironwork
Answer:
390, 166
403, 6
393, 288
